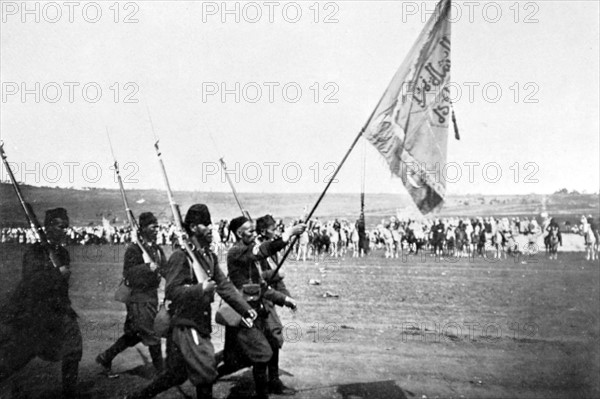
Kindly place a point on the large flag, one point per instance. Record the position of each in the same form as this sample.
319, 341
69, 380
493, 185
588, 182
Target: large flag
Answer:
410, 125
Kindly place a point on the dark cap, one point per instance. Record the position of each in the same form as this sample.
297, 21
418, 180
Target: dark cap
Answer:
264, 222
146, 219
55, 213
236, 223
198, 214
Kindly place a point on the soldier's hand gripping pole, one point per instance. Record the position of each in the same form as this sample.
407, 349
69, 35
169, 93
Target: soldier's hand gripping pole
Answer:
31, 218
314, 208
137, 239
358, 136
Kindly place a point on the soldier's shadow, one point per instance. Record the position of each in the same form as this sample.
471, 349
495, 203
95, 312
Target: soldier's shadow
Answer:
243, 384
243, 387
378, 389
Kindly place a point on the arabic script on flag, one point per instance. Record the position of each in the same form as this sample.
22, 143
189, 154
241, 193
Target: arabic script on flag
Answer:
410, 125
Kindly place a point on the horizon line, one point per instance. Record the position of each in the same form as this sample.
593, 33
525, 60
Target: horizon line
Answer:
406, 195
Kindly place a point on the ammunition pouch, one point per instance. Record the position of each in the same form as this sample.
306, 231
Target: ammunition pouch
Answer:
252, 295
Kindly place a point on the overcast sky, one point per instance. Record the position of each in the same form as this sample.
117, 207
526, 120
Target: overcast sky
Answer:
537, 121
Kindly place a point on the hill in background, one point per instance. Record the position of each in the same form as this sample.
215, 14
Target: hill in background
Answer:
89, 206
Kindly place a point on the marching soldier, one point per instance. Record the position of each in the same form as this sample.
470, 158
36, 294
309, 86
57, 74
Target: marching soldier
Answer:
190, 353
363, 242
39, 320
143, 276
267, 231
244, 346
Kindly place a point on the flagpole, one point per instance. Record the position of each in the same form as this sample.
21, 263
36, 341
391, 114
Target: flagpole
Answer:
314, 208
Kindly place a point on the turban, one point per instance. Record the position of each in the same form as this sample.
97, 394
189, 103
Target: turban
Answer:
146, 219
264, 222
57, 213
198, 214
236, 223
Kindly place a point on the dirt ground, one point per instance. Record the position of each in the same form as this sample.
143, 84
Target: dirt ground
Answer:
413, 327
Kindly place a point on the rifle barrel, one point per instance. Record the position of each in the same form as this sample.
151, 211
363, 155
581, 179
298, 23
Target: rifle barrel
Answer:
29, 213
139, 241
200, 273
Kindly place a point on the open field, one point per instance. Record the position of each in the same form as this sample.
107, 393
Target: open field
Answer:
88, 206
401, 328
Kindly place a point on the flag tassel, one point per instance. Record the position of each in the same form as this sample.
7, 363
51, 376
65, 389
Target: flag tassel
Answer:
456, 134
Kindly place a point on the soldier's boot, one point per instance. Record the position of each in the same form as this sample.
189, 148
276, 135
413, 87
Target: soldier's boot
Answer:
259, 371
157, 358
105, 358
204, 391
70, 370
276, 386
164, 381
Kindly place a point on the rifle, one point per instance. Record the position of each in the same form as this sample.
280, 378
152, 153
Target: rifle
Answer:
245, 213
139, 241
30, 214
182, 236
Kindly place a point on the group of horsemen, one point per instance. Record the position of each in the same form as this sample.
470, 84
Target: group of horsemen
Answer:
443, 237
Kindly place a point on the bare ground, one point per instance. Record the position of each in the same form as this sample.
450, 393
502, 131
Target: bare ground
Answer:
401, 328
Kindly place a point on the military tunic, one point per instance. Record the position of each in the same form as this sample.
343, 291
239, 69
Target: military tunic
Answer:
143, 301
38, 319
245, 346
188, 347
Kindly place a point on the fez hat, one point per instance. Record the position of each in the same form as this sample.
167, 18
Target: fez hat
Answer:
264, 222
236, 223
55, 213
198, 214
146, 219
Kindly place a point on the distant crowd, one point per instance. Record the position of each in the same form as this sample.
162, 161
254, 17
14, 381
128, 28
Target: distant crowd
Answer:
339, 237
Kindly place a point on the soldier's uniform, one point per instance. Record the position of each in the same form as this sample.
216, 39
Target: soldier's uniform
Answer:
254, 346
190, 353
39, 320
268, 266
363, 242
142, 305
235, 358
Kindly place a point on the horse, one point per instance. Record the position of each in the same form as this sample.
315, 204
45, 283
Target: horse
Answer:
437, 237
461, 241
344, 233
334, 239
354, 241
415, 238
397, 237
450, 241
320, 242
553, 241
498, 242
302, 246
511, 246
388, 240
591, 244
481, 240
